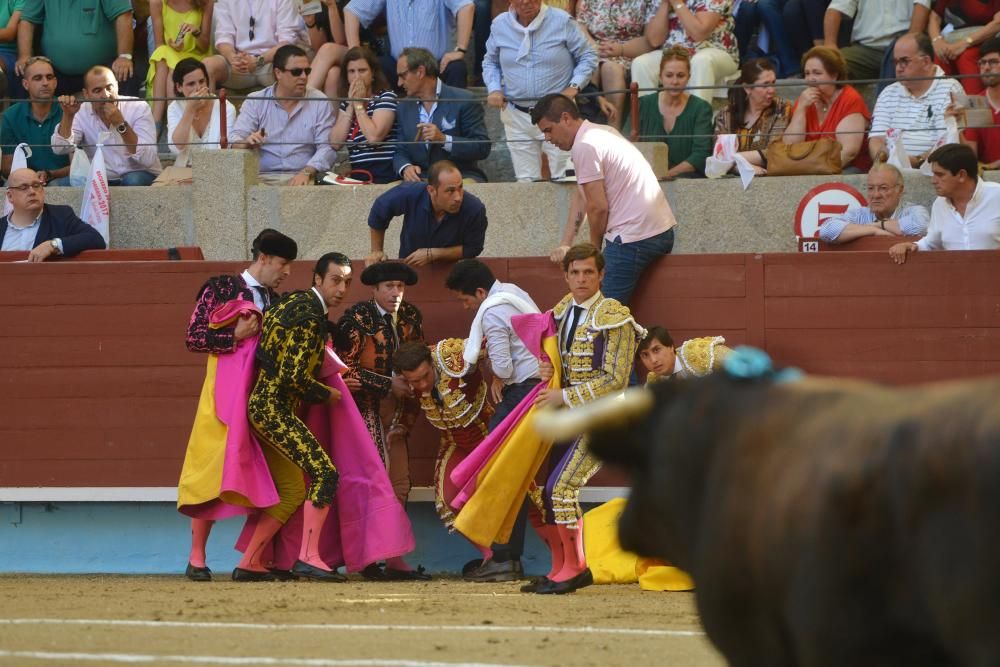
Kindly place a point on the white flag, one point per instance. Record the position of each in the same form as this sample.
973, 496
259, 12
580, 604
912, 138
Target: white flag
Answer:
96, 206
20, 161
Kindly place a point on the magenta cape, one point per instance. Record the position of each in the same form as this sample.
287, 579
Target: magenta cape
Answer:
245, 479
494, 478
366, 522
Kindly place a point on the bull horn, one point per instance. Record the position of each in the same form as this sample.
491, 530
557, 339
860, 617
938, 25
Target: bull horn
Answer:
558, 425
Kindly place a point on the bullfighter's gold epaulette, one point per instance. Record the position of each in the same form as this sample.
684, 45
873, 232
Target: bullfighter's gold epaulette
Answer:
560, 308
701, 356
448, 353
611, 314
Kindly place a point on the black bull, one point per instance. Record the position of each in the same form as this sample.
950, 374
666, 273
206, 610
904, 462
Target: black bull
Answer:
825, 522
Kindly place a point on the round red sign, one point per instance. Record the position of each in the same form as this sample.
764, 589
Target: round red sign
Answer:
822, 202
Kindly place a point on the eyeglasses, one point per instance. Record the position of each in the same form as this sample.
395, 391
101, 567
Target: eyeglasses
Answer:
253, 22
298, 71
903, 62
881, 189
988, 62
38, 185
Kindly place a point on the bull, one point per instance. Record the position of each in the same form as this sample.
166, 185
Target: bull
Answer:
824, 521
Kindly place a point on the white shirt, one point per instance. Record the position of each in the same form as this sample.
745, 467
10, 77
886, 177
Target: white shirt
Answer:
978, 230
20, 238
920, 118
877, 22
209, 140
252, 283
326, 311
89, 129
275, 22
511, 360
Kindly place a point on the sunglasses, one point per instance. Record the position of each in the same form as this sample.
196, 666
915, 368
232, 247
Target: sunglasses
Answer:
253, 22
298, 71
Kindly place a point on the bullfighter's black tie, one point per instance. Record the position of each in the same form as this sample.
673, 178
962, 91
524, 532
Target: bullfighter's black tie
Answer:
392, 328
265, 298
571, 331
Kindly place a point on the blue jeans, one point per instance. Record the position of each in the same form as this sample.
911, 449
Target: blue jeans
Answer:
769, 14
134, 178
625, 262
481, 24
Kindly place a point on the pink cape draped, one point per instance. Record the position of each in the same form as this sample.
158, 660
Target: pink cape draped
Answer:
244, 471
366, 523
472, 474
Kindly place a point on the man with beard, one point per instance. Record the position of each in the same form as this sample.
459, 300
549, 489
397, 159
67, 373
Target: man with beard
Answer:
33, 122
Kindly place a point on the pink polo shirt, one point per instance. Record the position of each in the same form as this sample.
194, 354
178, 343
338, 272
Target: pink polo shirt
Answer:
637, 208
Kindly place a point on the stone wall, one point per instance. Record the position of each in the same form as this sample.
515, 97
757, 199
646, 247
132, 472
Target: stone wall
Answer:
226, 207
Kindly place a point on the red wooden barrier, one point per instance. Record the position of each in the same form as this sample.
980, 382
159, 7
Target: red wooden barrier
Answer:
122, 255
98, 389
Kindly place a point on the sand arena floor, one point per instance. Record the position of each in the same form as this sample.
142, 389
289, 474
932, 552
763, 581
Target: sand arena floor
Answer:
111, 620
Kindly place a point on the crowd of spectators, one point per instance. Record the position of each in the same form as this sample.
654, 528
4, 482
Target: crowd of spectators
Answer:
387, 80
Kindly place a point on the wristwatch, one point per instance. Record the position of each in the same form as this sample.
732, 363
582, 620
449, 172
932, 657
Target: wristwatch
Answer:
260, 61
126, 56
57, 244
574, 86
123, 128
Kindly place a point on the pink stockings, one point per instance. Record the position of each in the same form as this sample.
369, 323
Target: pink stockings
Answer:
200, 529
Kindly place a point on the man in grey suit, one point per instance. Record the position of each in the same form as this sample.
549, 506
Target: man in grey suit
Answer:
436, 122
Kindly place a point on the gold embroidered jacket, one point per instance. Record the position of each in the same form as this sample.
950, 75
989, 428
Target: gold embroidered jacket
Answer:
698, 357
459, 408
290, 351
602, 354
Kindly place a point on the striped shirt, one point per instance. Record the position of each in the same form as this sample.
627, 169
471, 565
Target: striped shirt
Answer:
559, 55
979, 229
912, 219
423, 23
364, 154
921, 119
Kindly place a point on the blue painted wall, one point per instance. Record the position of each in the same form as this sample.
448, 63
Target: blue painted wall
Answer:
152, 538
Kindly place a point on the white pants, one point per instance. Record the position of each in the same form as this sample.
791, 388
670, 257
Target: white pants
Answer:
708, 67
524, 140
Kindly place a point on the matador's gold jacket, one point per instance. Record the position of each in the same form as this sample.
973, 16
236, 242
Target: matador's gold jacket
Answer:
459, 408
697, 357
290, 351
603, 351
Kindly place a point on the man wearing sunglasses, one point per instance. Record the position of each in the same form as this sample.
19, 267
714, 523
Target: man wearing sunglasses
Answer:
42, 230
288, 123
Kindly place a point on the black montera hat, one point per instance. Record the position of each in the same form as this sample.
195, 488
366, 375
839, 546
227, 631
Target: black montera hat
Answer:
273, 242
383, 271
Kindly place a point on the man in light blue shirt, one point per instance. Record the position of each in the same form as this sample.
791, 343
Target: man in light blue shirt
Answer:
886, 214
534, 50
423, 24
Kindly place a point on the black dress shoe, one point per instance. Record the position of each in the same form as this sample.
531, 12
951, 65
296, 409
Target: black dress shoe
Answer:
313, 573
374, 572
492, 572
585, 578
471, 565
240, 574
283, 575
198, 573
532, 586
419, 574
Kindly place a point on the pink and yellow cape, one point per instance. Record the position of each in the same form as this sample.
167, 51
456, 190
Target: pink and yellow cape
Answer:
224, 472
366, 523
495, 477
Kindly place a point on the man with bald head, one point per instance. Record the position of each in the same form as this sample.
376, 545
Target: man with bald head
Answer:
123, 124
42, 230
886, 214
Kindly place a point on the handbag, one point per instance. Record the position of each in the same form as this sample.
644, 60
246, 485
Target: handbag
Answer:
804, 158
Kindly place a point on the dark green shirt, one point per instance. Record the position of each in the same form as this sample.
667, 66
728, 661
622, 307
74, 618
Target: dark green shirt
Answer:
696, 119
77, 34
19, 126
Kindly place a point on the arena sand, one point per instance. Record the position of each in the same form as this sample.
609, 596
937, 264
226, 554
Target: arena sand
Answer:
96, 620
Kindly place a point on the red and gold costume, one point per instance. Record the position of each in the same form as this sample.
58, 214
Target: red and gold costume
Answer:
458, 408
366, 342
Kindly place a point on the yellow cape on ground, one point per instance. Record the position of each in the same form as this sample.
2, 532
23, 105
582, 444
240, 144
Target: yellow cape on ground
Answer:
610, 564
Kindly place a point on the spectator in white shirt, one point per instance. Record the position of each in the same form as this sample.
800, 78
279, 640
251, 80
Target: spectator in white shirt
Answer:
124, 125
194, 123
915, 104
247, 35
966, 214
